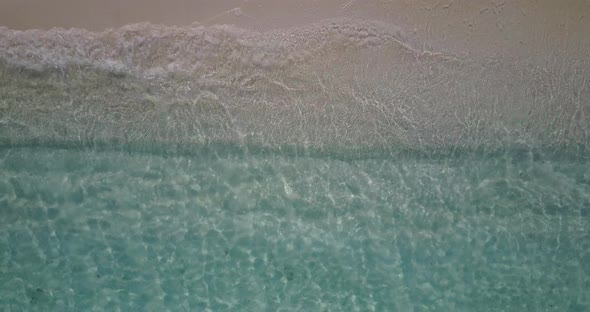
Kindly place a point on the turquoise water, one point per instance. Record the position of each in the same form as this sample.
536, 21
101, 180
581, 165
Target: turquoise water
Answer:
343, 165
93, 230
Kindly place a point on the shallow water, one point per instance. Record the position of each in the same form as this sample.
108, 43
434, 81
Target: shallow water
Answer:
110, 230
342, 165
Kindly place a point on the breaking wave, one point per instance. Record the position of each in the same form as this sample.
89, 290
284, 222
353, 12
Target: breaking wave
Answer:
342, 84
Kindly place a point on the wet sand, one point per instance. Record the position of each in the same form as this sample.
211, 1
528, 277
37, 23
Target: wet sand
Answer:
545, 29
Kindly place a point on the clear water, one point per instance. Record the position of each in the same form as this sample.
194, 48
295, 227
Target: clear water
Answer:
344, 165
116, 231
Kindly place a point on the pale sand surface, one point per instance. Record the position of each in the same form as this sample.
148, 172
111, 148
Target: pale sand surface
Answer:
520, 27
